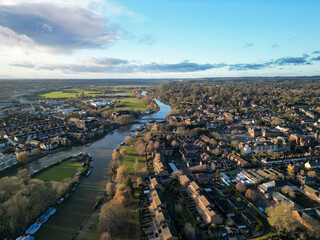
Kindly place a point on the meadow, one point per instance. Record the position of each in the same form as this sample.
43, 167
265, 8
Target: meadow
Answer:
69, 93
132, 103
130, 158
59, 172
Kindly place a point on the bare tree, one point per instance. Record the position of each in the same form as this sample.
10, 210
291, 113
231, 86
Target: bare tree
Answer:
251, 194
241, 187
110, 189
22, 157
189, 231
281, 218
122, 173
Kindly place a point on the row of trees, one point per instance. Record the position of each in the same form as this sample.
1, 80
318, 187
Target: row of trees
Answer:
114, 219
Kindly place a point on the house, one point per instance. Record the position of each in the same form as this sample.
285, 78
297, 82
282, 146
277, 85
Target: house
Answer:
7, 160
312, 165
249, 218
160, 224
254, 132
155, 184
235, 204
305, 180
312, 192
268, 188
159, 168
203, 206
184, 180
306, 216
278, 198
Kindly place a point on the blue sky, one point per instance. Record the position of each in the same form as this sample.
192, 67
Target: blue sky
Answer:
158, 38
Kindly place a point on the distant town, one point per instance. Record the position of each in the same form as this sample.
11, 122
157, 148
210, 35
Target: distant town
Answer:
201, 159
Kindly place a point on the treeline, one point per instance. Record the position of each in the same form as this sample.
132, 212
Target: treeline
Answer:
23, 199
288, 92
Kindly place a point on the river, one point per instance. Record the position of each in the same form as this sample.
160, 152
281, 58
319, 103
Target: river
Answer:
73, 211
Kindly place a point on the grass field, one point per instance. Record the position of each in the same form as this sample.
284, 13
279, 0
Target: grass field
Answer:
59, 172
130, 157
132, 103
69, 93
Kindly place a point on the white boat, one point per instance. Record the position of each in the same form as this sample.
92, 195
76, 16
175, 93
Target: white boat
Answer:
60, 200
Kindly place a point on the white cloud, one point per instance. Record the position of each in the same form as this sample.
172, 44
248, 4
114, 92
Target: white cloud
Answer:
9, 38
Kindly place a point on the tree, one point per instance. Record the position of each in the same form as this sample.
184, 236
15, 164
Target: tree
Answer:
124, 119
128, 183
35, 151
122, 173
22, 157
112, 219
281, 218
110, 189
128, 139
235, 144
139, 181
288, 191
123, 194
123, 151
213, 166
136, 165
216, 152
302, 172
241, 187
251, 194
217, 174
174, 144
141, 148
105, 236
311, 173
189, 231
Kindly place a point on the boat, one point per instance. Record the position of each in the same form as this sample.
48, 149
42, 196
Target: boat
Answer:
66, 196
35, 229
60, 200
91, 164
88, 173
30, 228
51, 211
23, 237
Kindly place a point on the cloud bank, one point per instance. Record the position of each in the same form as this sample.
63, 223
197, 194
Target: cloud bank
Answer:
117, 65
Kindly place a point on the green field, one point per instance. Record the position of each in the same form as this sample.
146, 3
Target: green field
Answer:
132, 103
59, 172
130, 157
69, 93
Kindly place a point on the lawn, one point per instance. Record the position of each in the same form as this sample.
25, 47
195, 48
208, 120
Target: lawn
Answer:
59, 172
130, 157
132, 103
69, 93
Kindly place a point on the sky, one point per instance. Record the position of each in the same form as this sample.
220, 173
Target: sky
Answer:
159, 38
